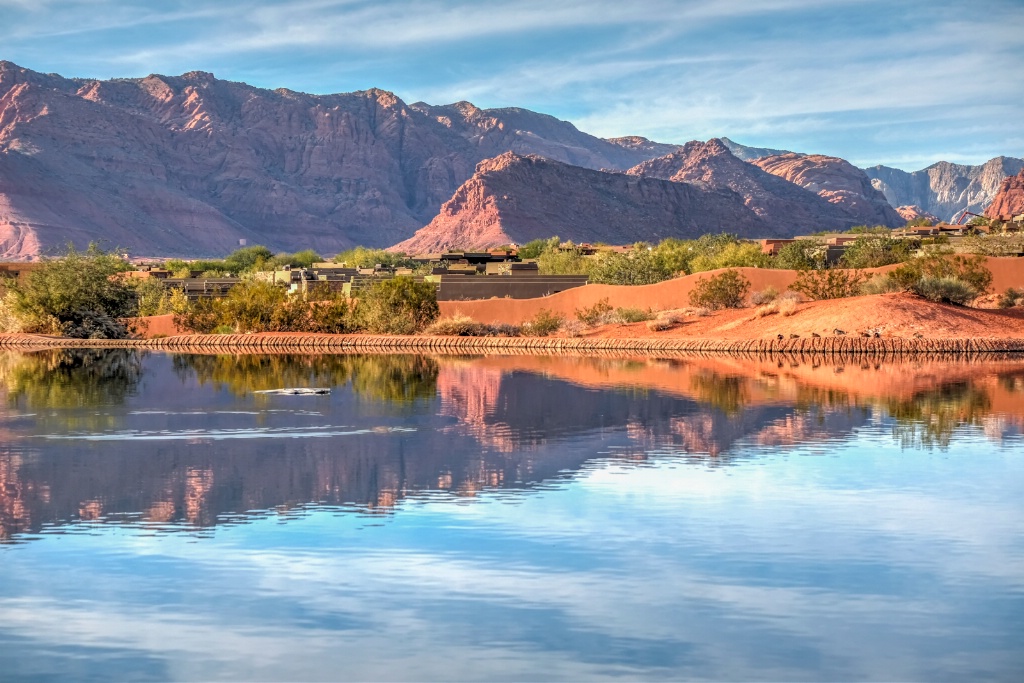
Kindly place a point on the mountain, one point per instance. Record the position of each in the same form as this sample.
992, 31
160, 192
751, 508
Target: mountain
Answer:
913, 213
836, 181
784, 206
648, 148
1009, 200
189, 165
515, 199
750, 153
945, 189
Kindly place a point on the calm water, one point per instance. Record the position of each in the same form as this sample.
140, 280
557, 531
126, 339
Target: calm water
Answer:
509, 518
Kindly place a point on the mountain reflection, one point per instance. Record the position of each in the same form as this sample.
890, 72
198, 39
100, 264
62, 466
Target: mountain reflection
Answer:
182, 442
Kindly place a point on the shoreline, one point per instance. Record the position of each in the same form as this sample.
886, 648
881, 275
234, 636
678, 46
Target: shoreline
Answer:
327, 343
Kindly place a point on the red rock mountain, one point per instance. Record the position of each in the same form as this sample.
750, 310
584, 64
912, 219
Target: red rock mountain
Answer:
784, 206
514, 198
1009, 200
912, 213
189, 165
836, 181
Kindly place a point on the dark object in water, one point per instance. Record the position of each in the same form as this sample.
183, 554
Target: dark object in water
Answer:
297, 391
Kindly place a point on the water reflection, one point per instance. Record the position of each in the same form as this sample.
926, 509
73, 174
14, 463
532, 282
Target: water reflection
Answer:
129, 438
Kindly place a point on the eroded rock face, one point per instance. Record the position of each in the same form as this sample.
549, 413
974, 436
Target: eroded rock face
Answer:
836, 181
945, 189
515, 199
1009, 200
189, 165
784, 206
913, 213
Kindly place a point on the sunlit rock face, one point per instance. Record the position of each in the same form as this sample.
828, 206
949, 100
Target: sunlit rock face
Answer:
515, 199
945, 189
791, 193
1009, 200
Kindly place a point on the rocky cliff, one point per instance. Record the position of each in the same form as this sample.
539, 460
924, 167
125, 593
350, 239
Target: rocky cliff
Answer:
189, 165
836, 181
784, 206
514, 198
1009, 200
750, 153
945, 189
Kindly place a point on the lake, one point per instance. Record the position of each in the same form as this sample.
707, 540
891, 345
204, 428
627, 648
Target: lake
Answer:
509, 517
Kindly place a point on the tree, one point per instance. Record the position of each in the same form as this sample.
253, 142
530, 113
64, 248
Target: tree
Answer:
874, 251
801, 255
400, 305
637, 267
725, 290
77, 295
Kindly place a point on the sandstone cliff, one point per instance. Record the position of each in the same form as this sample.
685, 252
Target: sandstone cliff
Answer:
784, 206
945, 189
189, 165
1009, 200
837, 181
513, 198
913, 213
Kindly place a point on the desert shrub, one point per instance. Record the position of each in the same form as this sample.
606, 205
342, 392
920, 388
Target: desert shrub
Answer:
639, 266
329, 316
1012, 297
968, 269
573, 328
659, 324
9, 321
736, 254
202, 316
256, 306
787, 307
363, 257
632, 315
458, 325
874, 251
594, 315
400, 305
765, 296
766, 309
700, 312
828, 284
945, 290
564, 260
75, 295
725, 290
880, 284
801, 255
672, 317
504, 330
543, 324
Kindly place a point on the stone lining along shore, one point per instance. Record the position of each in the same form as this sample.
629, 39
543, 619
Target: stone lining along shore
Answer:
329, 343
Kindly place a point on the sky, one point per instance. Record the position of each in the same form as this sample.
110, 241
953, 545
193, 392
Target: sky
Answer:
903, 83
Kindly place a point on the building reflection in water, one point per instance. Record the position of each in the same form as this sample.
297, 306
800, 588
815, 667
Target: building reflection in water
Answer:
182, 442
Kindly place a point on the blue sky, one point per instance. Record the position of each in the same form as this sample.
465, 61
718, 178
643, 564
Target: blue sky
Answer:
904, 83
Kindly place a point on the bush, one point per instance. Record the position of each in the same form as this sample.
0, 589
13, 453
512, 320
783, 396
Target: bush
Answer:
880, 284
632, 315
594, 315
828, 284
725, 290
400, 305
543, 324
659, 325
945, 290
765, 296
968, 269
874, 251
801, 255
1012, 297
77, 295
640, 266
787, 307
766, 309
458, 325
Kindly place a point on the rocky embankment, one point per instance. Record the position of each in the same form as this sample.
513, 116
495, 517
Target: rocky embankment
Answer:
1009, 200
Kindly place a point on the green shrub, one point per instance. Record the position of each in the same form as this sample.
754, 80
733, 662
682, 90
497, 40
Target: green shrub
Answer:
880, 284
828, 284
639, 266
968, 269
457, 326
633, 315
543, 324
725, 290
1011, 297
874, 251
948, 290
801, 255
765, 296
400, 305
76, 295
594, 315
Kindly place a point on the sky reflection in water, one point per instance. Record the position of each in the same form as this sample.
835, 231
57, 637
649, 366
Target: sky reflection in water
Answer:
509, 518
